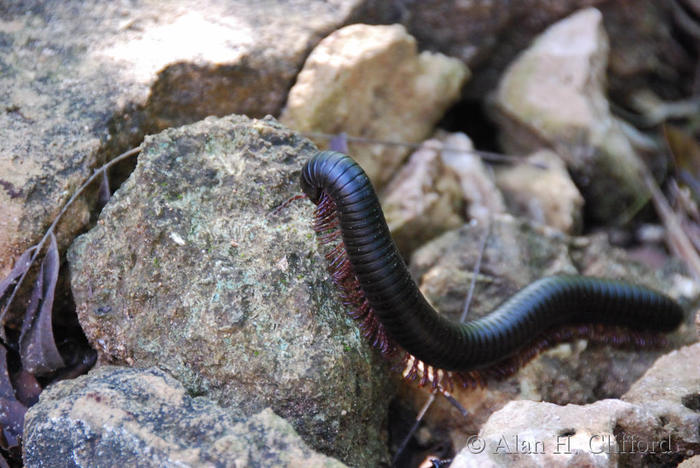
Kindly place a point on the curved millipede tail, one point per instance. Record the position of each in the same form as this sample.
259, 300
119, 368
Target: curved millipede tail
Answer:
393, 314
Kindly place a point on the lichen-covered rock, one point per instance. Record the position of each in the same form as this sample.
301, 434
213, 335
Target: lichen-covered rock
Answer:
371, 81
554, 95
189, 270
83, 81
540, 189
442, 184
117, 416
656, 422
517, 253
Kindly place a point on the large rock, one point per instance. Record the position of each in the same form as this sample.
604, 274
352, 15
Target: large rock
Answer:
517, 253
83, 81
143, 417
554, 95
188, 270
370, 81
656, 422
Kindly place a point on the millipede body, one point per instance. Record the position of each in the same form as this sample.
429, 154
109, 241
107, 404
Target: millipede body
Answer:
375, 283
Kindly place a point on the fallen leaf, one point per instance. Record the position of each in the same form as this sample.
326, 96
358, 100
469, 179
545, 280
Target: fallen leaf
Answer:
27, 388
104, 193
12, 421
11, 410
37, 346
6, 389
21, 266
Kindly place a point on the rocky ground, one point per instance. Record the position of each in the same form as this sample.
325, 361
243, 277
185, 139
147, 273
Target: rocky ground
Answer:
518, 137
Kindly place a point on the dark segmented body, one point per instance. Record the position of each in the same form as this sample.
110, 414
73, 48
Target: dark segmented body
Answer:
380, 276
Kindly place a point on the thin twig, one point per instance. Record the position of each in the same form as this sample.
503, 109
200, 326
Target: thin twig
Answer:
485, 155
51, 228
475, 272
677, 240
414, 428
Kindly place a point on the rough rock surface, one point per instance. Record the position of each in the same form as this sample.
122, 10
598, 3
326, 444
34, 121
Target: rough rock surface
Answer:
370, 81
188, 270
670, 392
423, 200
475, 179
554, 95
541, 190
118, 416
442, 184
655, 423
517, 253
82, 81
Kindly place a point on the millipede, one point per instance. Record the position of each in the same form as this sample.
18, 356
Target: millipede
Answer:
376, 287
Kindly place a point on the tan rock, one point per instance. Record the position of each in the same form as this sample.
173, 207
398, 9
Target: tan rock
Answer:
655, 422
540, 189
370, 81
670, 391
483, 198
554, 95
487, 35
441, 186
693, 462
423, 200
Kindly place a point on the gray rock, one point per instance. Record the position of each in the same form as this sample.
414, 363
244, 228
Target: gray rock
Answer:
118, 416
371, 81
656, 422
517, 253
83, 81
554, 95
541, 190
187, 269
